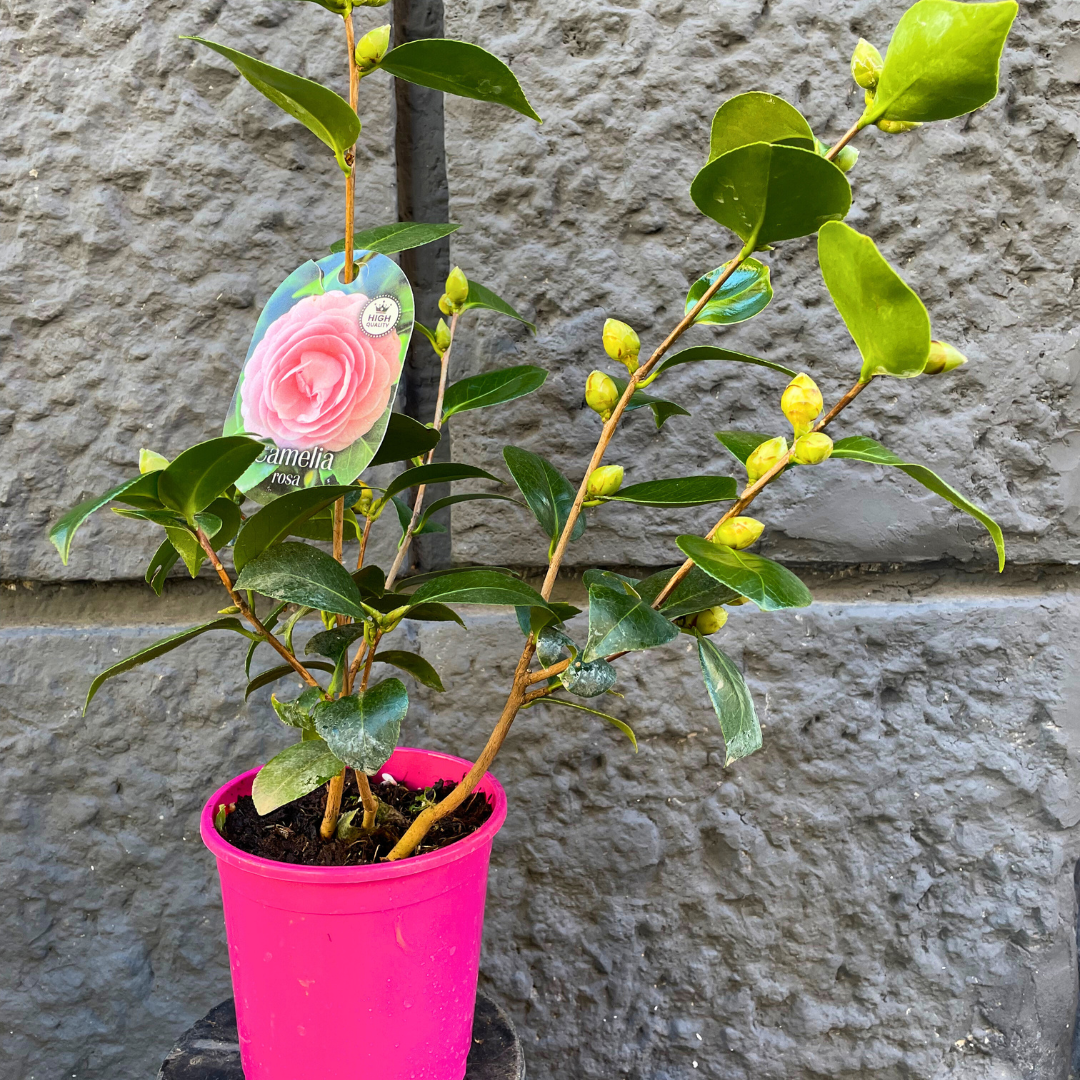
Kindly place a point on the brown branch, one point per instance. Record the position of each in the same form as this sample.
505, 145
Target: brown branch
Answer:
335, 788
363, 544
843, 141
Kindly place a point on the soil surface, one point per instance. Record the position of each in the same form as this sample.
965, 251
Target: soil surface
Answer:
290, 834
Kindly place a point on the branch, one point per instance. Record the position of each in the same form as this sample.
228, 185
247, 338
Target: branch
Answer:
843, 141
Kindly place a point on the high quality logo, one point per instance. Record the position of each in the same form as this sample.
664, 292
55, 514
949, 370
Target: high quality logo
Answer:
380, 316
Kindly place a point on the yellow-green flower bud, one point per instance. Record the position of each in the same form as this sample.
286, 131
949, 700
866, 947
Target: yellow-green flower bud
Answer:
811, 449
738, 601
362, 506
739, 532
897, 127
371, 48
704, 622
847, 158
606, 480
369, 3
444, 305
442, 337
150, 460
802, 403
942, 358
866, 65
601, 394
765, 457
621, 343
457, 286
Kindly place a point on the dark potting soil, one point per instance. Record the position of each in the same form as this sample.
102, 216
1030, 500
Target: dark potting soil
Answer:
290, 834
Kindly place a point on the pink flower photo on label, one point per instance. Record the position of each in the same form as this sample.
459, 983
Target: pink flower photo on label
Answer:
316, 378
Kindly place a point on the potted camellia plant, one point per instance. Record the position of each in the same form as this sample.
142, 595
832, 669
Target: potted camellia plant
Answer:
353, 870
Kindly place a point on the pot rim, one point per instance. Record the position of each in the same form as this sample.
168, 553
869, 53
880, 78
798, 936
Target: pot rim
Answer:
349, 875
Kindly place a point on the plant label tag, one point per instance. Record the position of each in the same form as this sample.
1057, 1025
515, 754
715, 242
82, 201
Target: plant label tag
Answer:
322, 373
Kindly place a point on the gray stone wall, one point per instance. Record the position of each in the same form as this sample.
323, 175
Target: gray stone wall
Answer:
886, 890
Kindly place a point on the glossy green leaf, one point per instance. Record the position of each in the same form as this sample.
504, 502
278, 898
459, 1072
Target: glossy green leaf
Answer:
203, 472
321, 111
662, 409
404, 513
731, 700
482, 297
440, 472
770, 585
478, 587
160, 648
187, 546
400, 236
453, 500
698, 353
549, 494
265, 678
413, 581
588, 680
303, 574
337, 7
696, 592
405, 438
532, 620
144, 492
297, 771
765, 193
63, 532
744, 294
677, 492
757, 117
620, 622
860, 448
435, 613
742, 443
320, 526
297, 712
279, 518
332, 643
492, 388
165, 558
882, 313
457, 67
363, 729
620, 724
942, 61
414, 665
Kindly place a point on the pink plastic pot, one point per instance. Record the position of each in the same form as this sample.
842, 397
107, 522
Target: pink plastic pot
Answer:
345, 972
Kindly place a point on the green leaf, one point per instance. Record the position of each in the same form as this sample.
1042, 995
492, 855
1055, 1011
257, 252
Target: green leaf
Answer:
332, 643
203, 472
677, 492
481, 297
303, 574
400, 236
440, 472
188, 547
731, 699
165, 558
942, 61
63, 532
412, 664
611, 580
404, 513
435, 613
415, 580
619, 622
532, 620
371, 581
363, 729
696, 592
405, 438
766, 193
478, 587
860, 448
588, 680
662, 409
320, 526
492, 388
279, 518
770, 585
320, 110
265, 678
742, 443
297, 771
697, 353
757, 117
621, 725
144, 492
337, 7
744, 294
451, 500
160, 648
549, 494
297, 713
882, 313
457, 67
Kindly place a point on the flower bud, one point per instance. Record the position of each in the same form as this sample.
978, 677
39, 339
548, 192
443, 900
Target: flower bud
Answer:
847, 158
801, 403
371, 48
866, 65
442, 337
811, 449
621, 343
457, 286
704, 622
739, 532
897, 127
765, 457
606, 480
444, 305
151, 460
369, 3
942, 358
362, 505
601, 394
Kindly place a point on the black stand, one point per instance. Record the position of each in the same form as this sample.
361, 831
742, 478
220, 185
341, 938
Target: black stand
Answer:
211, 1050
